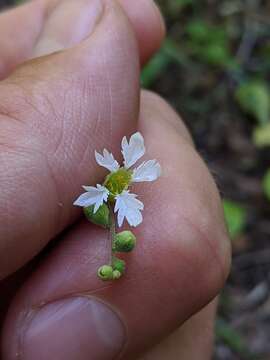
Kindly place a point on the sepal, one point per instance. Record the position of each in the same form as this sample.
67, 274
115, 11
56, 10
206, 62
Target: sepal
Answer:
101, 217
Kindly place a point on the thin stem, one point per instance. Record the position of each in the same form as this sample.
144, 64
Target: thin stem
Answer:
111, 233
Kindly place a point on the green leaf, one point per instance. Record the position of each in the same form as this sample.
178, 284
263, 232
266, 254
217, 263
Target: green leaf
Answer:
235, 216
261, 135
198, 30
254, 98
225, 333
204, 33
154, 68
266, 184
216, 54
209, 43
177, 5
174, 51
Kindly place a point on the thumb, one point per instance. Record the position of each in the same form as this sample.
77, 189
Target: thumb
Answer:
54, 112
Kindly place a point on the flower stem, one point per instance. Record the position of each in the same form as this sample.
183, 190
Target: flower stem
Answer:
111, 233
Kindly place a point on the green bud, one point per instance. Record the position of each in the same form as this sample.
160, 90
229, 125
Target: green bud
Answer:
119, 265
124, 241
105, 273
116, 275
101, 217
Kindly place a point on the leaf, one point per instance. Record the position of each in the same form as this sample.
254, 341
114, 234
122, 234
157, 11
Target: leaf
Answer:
229, 336
177, 5
209, 43
261, 135
266, 184
174, 51
198, 30
235, 216
216, 54
254, 98
154, 68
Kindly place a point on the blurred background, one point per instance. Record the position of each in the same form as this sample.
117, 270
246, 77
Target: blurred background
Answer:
214, 68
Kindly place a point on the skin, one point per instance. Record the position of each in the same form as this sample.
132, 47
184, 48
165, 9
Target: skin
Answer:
70, 85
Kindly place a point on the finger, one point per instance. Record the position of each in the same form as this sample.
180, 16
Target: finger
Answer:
54, 112
23, 25
149, 24
20, 34
199, 330
144, 16
180, 263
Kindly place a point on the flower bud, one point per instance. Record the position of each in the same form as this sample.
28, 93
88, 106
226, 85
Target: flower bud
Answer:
105, 273
124, 241
119, 265
101, 217
116, 275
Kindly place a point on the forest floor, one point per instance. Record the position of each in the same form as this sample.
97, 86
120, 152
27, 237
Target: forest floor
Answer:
214, 68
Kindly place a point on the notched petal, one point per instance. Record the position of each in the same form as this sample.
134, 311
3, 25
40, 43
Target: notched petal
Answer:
147, 171
132, 150
128, 207
107, 160
93, 196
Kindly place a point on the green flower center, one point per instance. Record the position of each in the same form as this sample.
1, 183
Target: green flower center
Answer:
118, 181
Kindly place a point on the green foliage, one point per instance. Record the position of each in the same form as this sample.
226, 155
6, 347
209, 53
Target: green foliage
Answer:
177, 5
198, 30
172, 8
174, 52
229, 336
266, 184
154, 68
261, 135
215, 54
170, 52
101, 217
209, 43
254, 98
235, 216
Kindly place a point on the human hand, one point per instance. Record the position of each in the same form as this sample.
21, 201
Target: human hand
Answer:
55, 110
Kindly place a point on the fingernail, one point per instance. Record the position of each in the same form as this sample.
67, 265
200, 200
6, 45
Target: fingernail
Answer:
74, 329
70, 22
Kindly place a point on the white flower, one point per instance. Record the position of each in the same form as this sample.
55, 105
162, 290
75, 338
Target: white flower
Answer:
117, 182
148, 171
133, 150
107, 160
93, 196
128, 207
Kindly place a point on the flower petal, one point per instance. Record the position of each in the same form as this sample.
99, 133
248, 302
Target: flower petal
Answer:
93, 196
148, 171
133, 150
107, 160
128, 207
